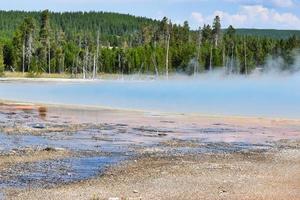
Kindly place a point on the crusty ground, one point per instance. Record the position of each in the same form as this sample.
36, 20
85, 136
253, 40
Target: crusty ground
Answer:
274, 174
31, 156
253, 175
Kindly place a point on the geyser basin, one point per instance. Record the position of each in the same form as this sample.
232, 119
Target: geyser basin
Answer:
262, 96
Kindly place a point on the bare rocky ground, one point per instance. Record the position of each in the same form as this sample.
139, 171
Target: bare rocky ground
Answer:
175, 157
273, 174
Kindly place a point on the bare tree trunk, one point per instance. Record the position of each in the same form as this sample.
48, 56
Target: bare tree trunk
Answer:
123, 71
77, 57
23, 58
238, 69
216, 40
84, 69
155, 64
223, 58
196, 67
210, 58
119, 64
153, 57
73, 65
94, 68
90, 65
129, 67
63, 62
227, 62
97, 53
245, 56
30, 51
232, 59
167, 56
142, 66
49, 58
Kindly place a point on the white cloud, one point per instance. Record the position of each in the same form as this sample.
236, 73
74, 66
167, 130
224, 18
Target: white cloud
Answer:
198, 17
252, 16
283, 3
238, 19
276, 3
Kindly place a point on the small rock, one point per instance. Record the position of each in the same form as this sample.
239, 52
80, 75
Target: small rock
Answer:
53, 149
39, 126
162, 134
135, 191
59, 149
113, 198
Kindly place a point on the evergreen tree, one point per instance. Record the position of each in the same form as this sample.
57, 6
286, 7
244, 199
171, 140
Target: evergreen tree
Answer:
26, 41
45, 40
216, 30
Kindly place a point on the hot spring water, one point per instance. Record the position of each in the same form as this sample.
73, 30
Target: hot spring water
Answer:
264, 96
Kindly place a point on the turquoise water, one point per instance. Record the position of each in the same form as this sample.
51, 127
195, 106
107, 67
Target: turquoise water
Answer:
263, 96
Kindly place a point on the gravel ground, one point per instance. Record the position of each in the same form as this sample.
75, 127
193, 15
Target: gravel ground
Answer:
270, 175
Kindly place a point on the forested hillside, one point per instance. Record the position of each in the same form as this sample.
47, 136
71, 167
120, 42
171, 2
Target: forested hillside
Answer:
110, 25
107, 23
86, 44
277, 34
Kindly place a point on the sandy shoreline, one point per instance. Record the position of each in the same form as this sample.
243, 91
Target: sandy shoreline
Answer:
174, 156
46, 79
81, 108
74, 80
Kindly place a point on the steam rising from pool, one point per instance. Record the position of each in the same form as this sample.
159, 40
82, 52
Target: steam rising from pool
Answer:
263, 95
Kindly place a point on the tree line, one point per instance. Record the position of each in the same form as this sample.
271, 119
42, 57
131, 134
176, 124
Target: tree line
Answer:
85, 44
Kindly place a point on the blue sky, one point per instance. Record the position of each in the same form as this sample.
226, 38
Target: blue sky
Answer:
277, 14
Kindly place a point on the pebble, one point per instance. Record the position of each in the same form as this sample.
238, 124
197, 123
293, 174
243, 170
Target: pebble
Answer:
53, 149
39, 126
162, 134
113, 198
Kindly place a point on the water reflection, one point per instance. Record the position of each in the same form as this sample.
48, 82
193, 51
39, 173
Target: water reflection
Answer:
42, 112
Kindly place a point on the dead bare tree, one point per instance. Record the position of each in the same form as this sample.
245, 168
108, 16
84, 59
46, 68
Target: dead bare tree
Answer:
23, 57
224, 57
232, 59
167, 55
49, 57
94, 67
28, 50
153, 57
96, 58
78, 54
210, 57
245, 57
119, 62
85, 63
196, 65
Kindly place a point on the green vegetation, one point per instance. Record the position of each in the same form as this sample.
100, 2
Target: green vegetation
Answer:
276, 34
86, 44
